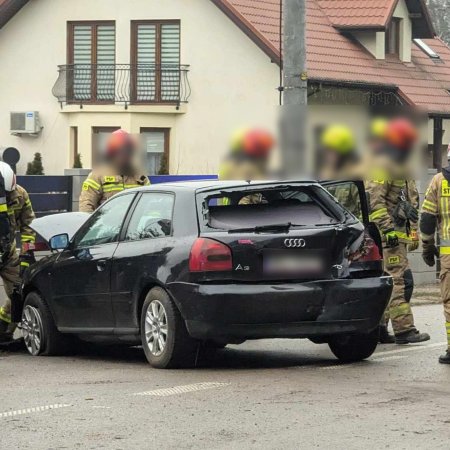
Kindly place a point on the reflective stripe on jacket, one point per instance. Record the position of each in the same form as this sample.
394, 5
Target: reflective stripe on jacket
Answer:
99, 187
385, 196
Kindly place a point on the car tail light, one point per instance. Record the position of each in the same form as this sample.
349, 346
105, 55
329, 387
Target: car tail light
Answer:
208, 255
368, 252
372, 252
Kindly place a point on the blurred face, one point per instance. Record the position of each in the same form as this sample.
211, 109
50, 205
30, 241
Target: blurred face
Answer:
123, 156
376, 145
331, 158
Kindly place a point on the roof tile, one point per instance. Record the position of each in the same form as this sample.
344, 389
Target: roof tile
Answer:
334, 57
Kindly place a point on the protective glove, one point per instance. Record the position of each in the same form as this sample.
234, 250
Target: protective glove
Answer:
411, 213
414, 245
429, 253
391, 238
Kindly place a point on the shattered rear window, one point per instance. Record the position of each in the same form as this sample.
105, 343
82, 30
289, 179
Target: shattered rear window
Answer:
303, 206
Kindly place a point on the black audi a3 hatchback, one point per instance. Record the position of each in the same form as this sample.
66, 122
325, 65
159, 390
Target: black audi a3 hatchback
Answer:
178, 266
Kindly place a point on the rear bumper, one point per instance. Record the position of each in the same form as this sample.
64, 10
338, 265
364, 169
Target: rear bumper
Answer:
313, 309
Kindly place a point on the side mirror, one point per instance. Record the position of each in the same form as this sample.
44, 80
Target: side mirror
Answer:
59, 242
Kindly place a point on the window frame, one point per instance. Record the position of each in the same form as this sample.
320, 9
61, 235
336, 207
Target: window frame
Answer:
320, 195
133, 59
131, 212
94, 24
166, 132
125, 220
395, 24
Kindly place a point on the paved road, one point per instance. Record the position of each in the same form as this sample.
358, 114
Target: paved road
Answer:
265, 394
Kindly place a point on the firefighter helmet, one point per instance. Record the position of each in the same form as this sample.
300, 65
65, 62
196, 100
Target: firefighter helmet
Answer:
119, 140
401, 134
338, 138
378, 128
8, 175
254, 142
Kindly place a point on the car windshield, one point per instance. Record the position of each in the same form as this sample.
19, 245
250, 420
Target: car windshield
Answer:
271, 208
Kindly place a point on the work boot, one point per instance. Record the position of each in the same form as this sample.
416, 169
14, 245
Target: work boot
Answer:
411, 337
384, 336
445, 358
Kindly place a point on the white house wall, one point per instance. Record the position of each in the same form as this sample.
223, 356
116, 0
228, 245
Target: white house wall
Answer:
233, 82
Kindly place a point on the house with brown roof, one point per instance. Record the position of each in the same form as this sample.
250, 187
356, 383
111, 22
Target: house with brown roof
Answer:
363, 51
184, 74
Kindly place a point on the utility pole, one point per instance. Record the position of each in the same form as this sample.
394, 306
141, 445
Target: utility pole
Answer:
295, 88
438, 133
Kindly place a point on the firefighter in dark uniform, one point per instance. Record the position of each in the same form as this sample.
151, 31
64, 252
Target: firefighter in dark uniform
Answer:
16, 214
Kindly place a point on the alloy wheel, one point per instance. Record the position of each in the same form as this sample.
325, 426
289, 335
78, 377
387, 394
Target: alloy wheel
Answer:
156, 328
32, 329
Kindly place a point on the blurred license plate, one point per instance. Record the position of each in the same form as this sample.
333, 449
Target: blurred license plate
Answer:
292, 264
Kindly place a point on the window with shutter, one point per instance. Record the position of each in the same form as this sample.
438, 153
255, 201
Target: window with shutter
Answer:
156, 61
92, 54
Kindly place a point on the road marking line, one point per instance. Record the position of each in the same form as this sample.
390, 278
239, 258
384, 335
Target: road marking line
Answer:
391, 358
334, 367
35, 409
409, 349
182, 389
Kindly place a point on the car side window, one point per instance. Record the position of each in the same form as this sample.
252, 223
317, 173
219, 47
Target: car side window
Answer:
152, 217
103, 227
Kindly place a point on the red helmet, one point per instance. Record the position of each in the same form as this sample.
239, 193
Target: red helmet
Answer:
119, 140
401, 134
257, 143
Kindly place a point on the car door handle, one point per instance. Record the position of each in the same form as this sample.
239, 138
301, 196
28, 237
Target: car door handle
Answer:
101, 265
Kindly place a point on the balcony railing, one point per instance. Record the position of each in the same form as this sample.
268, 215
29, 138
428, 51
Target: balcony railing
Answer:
122, 83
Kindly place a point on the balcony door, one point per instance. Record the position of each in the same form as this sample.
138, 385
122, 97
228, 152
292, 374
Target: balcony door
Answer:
155, 59
91, 62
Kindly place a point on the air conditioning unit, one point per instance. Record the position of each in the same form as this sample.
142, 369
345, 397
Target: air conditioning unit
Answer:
25, 123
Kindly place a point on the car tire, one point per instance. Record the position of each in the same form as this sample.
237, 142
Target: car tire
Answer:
353, 348
39, 330
165, 339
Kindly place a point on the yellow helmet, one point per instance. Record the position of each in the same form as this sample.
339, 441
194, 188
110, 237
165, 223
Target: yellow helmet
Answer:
338, 138
378, 127
237, 139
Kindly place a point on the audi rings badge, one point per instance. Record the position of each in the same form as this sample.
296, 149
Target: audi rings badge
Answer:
294, 243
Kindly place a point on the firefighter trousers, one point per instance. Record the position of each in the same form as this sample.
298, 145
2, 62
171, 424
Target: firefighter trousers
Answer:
445, 291
10, 274
399, 309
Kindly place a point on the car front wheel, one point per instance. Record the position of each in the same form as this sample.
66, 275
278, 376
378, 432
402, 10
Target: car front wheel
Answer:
164, 336
39, 330
355, 347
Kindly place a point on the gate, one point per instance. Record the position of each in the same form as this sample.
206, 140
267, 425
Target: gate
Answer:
49, 194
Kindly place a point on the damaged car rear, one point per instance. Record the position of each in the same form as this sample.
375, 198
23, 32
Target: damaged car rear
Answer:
177, 265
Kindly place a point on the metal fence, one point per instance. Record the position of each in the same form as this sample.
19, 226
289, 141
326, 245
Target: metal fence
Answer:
48, 194
122, 83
